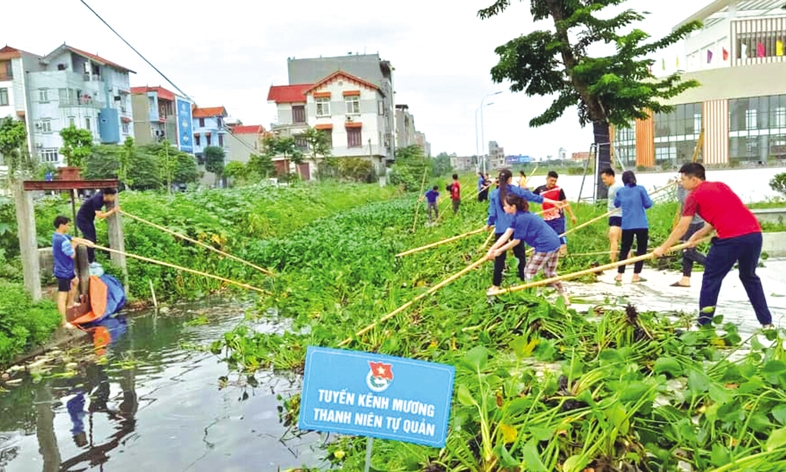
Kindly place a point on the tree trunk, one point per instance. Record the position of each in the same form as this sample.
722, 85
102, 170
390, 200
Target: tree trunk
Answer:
603, 154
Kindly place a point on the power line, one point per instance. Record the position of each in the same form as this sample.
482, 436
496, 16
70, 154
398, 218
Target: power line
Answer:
137, 52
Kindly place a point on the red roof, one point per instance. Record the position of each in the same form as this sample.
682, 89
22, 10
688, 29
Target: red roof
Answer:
288, 93
96, 58
7, 53
161, 91
339, 73
208, 112
250, 129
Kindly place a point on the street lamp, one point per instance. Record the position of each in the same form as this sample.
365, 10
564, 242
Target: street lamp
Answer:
482, 130
477, 145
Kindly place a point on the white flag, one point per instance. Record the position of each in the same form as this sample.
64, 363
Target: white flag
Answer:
744, 53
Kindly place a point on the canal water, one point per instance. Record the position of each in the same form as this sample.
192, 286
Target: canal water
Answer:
152, 402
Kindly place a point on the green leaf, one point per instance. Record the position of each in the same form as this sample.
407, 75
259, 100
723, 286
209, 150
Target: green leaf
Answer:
698, 382
776, 440
669, 365
754, 384
720, 456
477, 357
506, 459
774, 367
779, 413
541, 434
531, 457
574, 464
617, 415
720, 394
521, 348
464, 397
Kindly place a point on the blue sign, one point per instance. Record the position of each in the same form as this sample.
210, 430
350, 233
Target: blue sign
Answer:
362, 394
518, 159
184, 131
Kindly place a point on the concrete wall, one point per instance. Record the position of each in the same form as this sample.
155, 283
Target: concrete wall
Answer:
734, 82
774, 244
240, 145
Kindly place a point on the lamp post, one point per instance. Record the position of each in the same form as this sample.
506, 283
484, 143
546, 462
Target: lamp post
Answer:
482, 130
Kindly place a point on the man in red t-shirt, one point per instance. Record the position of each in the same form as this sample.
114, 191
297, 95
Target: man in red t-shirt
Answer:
738, 241
455, 194
552, 214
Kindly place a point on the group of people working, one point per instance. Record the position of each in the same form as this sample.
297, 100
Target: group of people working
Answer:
705, 207
64, 245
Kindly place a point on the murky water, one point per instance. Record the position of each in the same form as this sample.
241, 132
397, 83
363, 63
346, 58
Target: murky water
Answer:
751, 184
155, 405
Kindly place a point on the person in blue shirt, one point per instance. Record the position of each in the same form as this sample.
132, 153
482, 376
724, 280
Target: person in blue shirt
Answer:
432, 202
64, 252
90, 209
483, 187
634, 201
501, 221
531, 229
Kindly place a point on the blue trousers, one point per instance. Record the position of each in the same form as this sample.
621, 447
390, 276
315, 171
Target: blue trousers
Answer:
724, 253
88, 229
558, 225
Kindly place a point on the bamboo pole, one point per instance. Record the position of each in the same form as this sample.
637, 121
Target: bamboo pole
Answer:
184, 269
488, 240
591, 270
199, 243
417, 205
423, 295
439, 243
694, 158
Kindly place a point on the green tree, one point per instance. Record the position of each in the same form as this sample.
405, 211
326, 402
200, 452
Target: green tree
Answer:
286, 147
409, 167
13, 148
613, 89
126, 156
236, 171
261, 166
77, 145
319, 144
107, 162
214, 161
440, 165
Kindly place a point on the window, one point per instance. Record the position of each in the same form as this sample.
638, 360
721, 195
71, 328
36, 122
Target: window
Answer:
46, 126
780, 117
201, 122
353, 105
354, 138
301, 142
381, 107
298, 114
220, 122
697, 123
71, 121
207, 139
323, 106
751, 119
87, 123
123, 106
48, 155
62, 95
4, 97
43, 95
197, 139
221, 140
125, 128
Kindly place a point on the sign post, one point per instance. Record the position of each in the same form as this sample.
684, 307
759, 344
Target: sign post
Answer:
376, 396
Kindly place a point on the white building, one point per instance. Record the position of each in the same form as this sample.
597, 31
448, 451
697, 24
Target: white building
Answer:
349, 109
66, 87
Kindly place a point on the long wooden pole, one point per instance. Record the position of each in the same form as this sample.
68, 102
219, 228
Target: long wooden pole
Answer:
592, 270
439, 243
184, 269
488, 240
417, 205
423, 295
199, 243
694, 158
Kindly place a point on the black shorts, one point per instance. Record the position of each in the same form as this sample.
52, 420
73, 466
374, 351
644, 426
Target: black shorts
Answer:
615, 221
64, 284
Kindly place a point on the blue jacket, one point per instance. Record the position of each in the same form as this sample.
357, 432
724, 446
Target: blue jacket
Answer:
531, 229
62, 252
633, 201
497, 216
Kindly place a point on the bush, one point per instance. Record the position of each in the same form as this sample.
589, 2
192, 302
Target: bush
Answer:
778, 183
23, 324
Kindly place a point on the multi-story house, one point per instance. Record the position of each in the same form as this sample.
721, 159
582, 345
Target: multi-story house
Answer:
420, 140
405, 127
66, 87
209, 129
160, 115
368, 67
244, 141
496, 156
349, 109
738, 58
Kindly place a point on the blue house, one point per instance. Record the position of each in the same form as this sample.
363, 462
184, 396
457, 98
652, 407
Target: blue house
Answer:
209, 130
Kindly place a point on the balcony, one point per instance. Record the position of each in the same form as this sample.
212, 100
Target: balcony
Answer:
6, 77
81, 102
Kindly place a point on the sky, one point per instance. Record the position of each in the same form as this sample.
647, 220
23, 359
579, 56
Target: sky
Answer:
230, 54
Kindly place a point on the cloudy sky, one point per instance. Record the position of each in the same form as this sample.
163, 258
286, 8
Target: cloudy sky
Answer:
230, 53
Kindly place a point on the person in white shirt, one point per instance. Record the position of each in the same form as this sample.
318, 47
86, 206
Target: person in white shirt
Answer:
615, 217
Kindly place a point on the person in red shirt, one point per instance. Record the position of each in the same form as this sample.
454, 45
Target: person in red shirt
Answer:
738, 241
552, 214
455, 194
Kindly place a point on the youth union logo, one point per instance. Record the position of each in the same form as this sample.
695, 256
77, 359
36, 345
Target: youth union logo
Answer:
379, 377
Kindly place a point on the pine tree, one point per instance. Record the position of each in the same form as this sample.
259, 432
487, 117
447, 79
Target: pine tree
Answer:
608, 90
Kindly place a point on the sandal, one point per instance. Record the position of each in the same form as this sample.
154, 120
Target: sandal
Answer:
677, 284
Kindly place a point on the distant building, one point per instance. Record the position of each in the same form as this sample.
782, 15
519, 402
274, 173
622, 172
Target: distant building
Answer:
463, 163
161, 115
368, 67
738, 58
244, 141
580, 156
209, 129
66, 87
420, 140
496, 156
562, 154
405, 127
